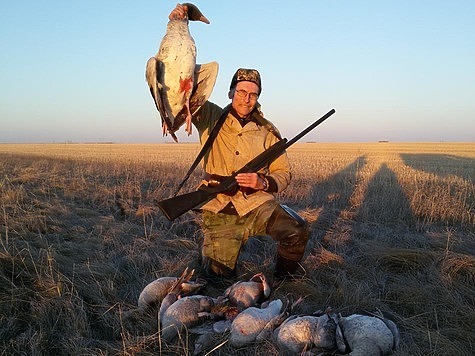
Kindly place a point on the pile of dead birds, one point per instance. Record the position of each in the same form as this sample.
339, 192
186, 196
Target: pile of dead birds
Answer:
244, 315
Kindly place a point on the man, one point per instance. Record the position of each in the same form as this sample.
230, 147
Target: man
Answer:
230, 219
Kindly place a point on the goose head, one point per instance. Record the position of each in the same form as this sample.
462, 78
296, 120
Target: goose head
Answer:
194, 14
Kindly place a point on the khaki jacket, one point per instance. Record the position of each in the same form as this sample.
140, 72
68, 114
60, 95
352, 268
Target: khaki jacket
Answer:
232, 149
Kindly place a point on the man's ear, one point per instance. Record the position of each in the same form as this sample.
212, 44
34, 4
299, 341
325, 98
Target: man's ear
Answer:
230, 94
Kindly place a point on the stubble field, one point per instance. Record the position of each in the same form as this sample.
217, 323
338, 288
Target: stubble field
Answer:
392, 229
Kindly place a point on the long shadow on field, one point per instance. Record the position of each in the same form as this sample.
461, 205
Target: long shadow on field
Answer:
333, 195
441, 164
385, 202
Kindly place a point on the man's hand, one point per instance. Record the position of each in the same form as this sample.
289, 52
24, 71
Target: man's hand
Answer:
251, 180
179, 12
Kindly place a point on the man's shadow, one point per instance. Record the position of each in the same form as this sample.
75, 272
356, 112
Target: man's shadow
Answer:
441, 165
385, 202
332, 196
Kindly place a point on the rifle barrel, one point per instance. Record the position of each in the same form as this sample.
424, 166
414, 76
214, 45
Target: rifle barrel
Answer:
180, 204
310, 128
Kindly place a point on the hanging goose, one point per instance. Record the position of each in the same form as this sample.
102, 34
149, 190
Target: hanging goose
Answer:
178, 86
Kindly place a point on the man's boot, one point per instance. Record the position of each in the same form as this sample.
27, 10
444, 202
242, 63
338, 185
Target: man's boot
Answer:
285, 267
213, 269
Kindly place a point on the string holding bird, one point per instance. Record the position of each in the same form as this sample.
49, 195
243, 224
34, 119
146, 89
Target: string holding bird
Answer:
177, 84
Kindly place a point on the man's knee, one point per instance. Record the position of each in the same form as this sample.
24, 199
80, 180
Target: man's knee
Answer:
290, 231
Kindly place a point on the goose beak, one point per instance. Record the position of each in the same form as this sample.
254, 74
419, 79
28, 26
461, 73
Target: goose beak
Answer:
203, 19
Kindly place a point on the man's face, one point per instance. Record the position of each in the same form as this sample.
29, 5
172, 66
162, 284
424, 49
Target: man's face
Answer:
244, 97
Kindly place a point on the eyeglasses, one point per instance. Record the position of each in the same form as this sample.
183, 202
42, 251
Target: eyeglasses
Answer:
242, 93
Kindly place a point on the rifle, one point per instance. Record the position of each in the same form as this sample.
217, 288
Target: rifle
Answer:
180, 204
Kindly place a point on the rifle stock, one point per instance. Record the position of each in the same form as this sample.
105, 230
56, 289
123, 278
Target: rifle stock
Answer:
180, 204
177, 206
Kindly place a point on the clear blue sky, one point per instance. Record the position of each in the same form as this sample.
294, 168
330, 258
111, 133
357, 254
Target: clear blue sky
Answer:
393, 70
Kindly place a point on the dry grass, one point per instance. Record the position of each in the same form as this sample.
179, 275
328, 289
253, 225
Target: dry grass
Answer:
392, 228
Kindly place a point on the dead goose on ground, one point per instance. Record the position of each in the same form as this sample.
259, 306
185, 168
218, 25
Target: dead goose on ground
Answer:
154, 292
298, 334
186, 312
213, 333
245, 294
208, 337
253, 321
366, 335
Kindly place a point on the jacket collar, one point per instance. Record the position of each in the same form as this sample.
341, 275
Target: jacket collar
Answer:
244, 121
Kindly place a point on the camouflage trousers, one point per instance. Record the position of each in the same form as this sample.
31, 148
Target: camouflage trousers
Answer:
225, 234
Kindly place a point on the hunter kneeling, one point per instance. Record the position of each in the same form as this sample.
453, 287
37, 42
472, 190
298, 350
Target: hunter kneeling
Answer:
231, 218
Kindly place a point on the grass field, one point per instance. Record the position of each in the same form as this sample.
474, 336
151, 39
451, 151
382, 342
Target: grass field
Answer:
392, 229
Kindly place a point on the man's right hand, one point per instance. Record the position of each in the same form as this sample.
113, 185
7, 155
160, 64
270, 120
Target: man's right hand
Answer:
179, 12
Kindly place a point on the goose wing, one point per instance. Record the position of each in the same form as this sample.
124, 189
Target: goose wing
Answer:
205, 79
153, 73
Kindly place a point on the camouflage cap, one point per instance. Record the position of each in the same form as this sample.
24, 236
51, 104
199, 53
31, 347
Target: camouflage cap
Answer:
246, 75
